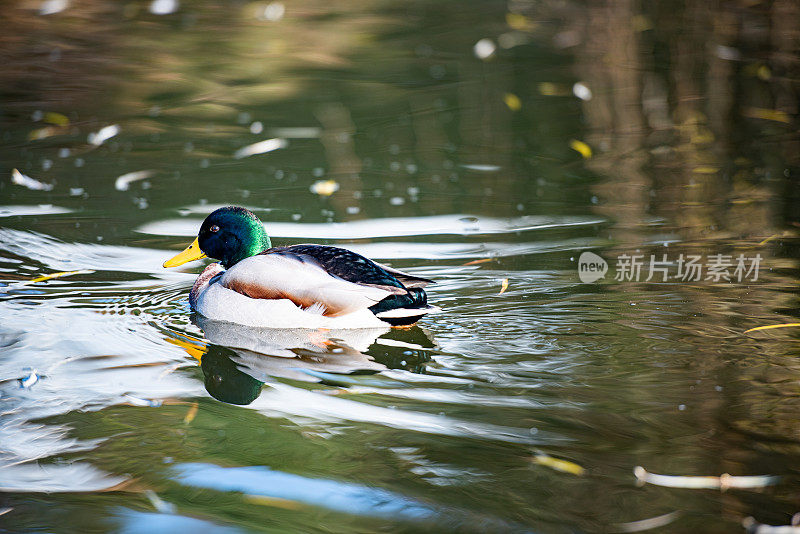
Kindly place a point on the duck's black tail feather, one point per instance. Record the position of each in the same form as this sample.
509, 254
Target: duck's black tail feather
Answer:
404, 309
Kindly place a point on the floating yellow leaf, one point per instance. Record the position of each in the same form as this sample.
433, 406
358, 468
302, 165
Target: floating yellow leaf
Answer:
519, 22
767, 114
191, 414
772, 326
42, 133
476, 262
503, 286
552, 89
324, 188
59, 275
702, 136
764, 72
767, 240
558, 464
581, 148
273, 501
705, 170
512, 101
56, 118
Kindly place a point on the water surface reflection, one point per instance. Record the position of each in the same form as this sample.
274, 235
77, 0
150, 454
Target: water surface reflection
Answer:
484, 145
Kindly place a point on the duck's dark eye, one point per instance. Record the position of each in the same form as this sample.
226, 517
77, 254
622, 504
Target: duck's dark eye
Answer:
214, 228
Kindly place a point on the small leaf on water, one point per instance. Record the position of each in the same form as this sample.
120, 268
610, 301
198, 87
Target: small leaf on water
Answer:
503, 286
771, 326
104, 134
722, 482
482, 260
324, 188
191, 414
42, 133
558, 464
768, 239
702, 136
164, 7
484, 49
705, 170
581, 148
61, 274
56, 118
123, 182
767, 114
582, 91
262, 147
273, 501
512, 101
51, 7
30, 380
17, 178
552, 89
519, 22
648, 524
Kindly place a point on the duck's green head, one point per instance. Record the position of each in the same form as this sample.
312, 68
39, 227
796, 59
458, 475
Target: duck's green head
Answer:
229, 235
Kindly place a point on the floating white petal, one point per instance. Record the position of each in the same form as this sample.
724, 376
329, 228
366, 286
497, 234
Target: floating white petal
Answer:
262, 147
582, 91
51, 7
122, 182
163, 7
274, 11
103, 135
484, 49
301, 132
18, 178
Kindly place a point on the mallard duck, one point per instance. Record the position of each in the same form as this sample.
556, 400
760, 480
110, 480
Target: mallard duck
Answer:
312, 286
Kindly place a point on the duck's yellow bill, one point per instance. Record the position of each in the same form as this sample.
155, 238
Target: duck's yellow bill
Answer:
191, 253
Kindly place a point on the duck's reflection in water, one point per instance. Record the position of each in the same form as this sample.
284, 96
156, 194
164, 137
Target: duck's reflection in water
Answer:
240, 359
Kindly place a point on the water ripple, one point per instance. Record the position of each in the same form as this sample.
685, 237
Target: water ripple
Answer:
389, 227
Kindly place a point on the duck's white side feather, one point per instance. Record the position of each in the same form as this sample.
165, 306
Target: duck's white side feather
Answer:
274, 276
289, 294
222, 304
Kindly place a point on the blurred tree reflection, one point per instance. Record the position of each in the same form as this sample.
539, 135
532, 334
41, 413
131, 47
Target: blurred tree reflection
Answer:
694, 111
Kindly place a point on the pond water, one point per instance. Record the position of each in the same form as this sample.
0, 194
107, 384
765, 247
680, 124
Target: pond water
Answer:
488, 146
